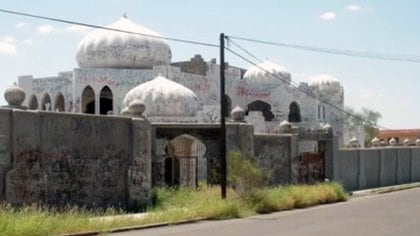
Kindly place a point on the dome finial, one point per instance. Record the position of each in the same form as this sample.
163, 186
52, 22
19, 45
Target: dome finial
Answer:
125, 15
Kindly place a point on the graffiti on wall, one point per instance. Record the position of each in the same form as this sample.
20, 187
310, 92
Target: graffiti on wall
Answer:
77, 161
248, 92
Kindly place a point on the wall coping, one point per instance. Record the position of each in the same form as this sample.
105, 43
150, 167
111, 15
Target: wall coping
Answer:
379, 148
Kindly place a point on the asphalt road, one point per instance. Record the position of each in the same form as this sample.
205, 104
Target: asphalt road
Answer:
396, 213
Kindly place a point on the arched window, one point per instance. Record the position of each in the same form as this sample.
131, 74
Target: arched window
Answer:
46, 102
88, 100
59, 102
33, 102
264, 107
294, 113
105, 102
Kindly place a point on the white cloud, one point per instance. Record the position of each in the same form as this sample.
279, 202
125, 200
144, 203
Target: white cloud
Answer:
28, 41
7, 46
366, 94
8, 39
328, 16
22, 25
77, 29
354, 7
45, 29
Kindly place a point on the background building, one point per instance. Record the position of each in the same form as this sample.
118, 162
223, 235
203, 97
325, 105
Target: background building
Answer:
399, 135
117, 68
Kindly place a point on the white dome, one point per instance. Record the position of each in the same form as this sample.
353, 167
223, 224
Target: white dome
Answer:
267, 72
164, 97
323, 80
111, 49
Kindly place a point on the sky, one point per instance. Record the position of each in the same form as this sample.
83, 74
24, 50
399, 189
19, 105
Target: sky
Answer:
44, 48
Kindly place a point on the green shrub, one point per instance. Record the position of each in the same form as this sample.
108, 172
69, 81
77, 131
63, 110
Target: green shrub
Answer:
244, 176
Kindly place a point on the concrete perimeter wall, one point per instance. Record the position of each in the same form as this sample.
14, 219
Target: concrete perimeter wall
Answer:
277, 156
64, 158
377, 167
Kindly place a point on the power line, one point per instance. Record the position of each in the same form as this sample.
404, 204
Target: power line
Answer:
360, 54
255, 57
308, 93
107, 28
316, 49
244, 50
381, 56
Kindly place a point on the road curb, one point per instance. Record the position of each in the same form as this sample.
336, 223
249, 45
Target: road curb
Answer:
130, 228
381, 190
354, 194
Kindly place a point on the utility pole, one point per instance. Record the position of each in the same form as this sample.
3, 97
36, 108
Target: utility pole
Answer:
223, 167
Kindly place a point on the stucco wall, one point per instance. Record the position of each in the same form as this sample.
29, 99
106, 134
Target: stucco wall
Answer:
64, 158
273, 155
376, 167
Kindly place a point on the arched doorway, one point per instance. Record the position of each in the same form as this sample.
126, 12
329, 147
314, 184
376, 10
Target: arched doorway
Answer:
264, 107
59, 102
294, 113
88, 100
185, 161
105, 102
46, 102
33, 103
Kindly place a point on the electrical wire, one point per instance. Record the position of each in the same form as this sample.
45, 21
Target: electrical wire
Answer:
243, 49
360, 54
108, 28
308, 93
301, 47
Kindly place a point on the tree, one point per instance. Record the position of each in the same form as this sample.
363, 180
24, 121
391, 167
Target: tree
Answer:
367, 118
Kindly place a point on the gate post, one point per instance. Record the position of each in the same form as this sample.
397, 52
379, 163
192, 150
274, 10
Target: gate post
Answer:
139, 173
331, 156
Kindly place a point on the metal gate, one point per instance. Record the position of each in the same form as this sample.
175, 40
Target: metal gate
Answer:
181, 171
312, 167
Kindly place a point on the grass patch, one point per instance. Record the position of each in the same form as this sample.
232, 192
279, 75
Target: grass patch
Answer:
290, 197
170, 205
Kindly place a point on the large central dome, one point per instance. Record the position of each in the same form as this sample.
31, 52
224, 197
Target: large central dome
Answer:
111, 49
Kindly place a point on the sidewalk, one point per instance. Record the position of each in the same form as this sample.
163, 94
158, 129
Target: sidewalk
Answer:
387, 189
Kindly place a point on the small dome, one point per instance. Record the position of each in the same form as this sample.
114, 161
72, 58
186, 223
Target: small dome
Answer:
375, 141
393, 142
14, 95
238, 113
354, 142
163, 97
111, 49
267, 73
136, 107
285, 126
326, 126
324, 81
